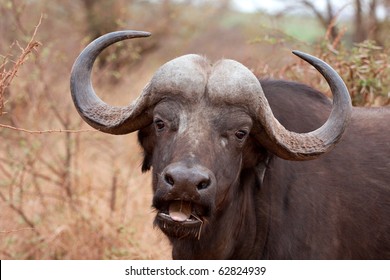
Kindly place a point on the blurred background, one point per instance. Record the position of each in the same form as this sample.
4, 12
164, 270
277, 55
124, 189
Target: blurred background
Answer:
68, 192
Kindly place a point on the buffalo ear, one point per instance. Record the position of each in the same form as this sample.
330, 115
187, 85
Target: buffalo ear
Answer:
147, 163
146, 141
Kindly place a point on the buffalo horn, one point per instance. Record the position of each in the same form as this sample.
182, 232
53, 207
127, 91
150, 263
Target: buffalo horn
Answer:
303, 146
98, 114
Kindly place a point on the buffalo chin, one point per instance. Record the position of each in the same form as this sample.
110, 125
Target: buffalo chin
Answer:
190, 228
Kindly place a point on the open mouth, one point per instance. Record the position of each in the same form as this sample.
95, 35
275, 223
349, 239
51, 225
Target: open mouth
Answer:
180, 219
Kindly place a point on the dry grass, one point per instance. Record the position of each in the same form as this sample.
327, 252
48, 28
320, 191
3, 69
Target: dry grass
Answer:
67, 194
67, 191
98, 209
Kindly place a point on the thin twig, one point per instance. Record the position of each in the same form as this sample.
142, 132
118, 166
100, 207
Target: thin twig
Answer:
16, 230
46, 131
21, 213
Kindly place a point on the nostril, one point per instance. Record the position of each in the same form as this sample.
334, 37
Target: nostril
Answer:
203, 184
181, 178
168, 178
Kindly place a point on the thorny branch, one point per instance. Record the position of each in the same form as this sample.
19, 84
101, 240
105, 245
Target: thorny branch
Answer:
6, 76
46, 131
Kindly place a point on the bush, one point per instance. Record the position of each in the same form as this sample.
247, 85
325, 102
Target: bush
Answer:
365, 68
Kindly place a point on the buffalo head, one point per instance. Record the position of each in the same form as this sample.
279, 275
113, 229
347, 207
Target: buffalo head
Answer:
198, 123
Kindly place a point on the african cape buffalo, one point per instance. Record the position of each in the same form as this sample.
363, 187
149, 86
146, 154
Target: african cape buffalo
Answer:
244, 169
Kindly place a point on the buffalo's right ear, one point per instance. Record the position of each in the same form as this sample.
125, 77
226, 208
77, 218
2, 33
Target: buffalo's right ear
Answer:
147, 163
146, 140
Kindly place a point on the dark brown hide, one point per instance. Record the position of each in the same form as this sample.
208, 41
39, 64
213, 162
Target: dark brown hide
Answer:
334, 207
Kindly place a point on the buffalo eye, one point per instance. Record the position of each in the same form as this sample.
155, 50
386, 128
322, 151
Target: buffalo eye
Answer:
240, 134
159, 124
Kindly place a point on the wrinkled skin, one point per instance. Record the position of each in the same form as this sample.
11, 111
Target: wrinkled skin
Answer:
212, 137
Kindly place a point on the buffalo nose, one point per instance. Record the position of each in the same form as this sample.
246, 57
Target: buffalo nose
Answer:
190, 178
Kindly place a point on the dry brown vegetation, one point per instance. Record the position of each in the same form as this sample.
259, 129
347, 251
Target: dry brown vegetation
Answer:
69, 192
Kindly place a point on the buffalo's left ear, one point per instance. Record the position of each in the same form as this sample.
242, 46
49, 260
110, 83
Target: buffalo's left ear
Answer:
146, 140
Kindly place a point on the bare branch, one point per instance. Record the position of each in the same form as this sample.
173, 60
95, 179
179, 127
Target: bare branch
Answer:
324, 21
20, 212
16, 230
46, 131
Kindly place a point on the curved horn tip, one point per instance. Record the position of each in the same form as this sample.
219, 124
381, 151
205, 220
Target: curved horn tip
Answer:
304, 56
138, 33
124, 34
